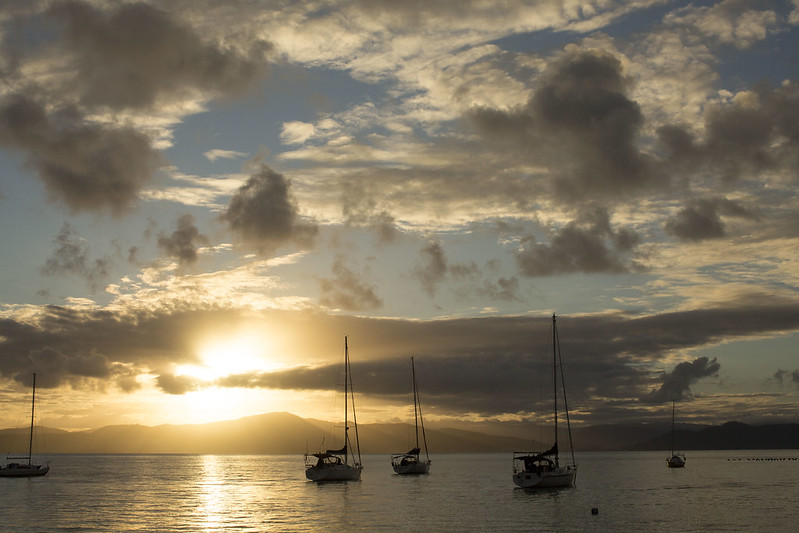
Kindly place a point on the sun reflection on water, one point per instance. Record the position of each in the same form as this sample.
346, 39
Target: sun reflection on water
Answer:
212, 506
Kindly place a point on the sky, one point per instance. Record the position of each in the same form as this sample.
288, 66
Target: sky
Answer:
199, 199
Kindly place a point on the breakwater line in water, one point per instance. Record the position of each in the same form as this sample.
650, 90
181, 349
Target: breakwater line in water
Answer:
768, 459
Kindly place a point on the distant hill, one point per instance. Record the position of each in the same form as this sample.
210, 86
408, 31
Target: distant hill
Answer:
612, 437
729, 436
273, 433
284, 433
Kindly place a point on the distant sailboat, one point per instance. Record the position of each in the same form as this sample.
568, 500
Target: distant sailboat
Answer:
543, 469
411, 462
26, 469
335, 465
677, 460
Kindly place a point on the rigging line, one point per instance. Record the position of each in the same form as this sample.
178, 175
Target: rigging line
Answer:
354, 417
565, 402
416, 395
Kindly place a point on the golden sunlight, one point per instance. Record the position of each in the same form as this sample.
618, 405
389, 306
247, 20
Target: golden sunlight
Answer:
219, 356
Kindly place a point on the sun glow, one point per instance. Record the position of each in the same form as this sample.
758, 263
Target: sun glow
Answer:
239, 353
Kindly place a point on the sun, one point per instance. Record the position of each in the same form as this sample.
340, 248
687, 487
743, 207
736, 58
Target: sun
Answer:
228, 354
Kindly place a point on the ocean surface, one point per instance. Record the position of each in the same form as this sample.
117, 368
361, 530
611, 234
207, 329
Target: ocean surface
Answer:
632, 491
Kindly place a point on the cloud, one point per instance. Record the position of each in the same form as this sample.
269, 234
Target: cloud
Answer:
52, 366
432, 268
213, 155
135, 55
675, 385
701, 219
506, 289
88, 166
347, 290
359, 205
296, 132
730, 22
71, 256
780, 376
85, 370
181, 244
488, 365
747, 134
580, 125
172, 384
90, 348
263, 213
587, 245
88, 127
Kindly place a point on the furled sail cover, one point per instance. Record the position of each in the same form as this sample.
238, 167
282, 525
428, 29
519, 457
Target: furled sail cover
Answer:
415, 451
342, 451
552, 451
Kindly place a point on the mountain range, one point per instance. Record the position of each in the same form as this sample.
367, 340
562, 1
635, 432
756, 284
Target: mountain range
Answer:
284, 433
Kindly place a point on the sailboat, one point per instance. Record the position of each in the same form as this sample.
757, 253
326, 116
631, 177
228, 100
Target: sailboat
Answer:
341, 464
677, 460
411, 462
26, 469
543, 469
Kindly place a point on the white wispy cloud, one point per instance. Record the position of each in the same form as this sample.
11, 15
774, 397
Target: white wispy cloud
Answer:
213, 155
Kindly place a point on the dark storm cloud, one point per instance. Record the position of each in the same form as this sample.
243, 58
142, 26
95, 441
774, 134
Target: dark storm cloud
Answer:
133, 55
580, 124
701, 219
181, 244
129, 57
755, 132
69, 346
52, 365
301, 378
676, 385
495, 365
71, 256
263, 213
487, 365
86, 165
587, 245
347, 290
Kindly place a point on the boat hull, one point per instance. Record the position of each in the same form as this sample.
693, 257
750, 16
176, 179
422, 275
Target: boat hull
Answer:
422, 467
563, 476
339, 472
17, 470
676, 461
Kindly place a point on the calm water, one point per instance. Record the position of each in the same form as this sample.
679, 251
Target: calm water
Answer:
633, 492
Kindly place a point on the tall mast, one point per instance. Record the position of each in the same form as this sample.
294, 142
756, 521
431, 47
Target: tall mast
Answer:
672, 427
346, 374
555, 374
415, 412
33, 406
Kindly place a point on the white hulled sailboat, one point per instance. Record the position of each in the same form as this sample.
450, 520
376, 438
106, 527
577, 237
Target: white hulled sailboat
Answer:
411, 461
677, 460
27, 468
341, 464
543, 469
